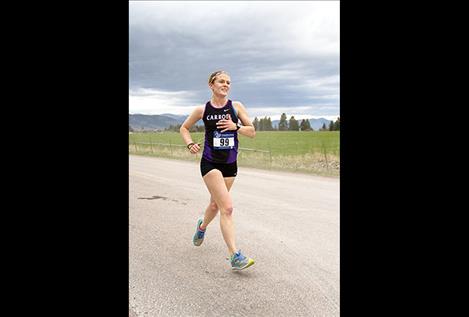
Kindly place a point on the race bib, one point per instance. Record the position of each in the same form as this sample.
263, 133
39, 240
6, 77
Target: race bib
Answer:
223, 141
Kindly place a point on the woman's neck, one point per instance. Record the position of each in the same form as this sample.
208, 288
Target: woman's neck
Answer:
218, 101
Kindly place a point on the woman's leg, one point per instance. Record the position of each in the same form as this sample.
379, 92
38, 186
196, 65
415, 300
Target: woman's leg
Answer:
219, 190
212, 208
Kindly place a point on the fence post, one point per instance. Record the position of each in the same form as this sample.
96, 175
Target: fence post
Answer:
325, 156
270, 155
151, 144
170, 147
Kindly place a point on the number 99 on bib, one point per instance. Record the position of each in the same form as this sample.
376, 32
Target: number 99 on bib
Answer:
223, 141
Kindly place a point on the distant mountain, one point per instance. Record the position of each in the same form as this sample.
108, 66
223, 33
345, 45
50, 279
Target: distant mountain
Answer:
316, 124
179, 118
150, 122
157, 121
162, 121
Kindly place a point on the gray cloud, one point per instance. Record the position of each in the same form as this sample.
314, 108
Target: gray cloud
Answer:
279, 54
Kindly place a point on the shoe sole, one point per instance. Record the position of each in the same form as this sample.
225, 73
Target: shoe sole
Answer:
250, 262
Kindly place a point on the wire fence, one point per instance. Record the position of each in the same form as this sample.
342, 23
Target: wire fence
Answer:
319, 162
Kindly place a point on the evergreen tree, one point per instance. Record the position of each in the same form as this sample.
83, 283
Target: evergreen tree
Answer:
255, 123
293, 124
261, 124
269, 125
331, 126
323, 128
305, 125
264, 124
283, 124
337, 124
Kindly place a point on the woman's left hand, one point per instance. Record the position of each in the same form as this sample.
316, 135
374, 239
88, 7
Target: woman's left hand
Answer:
227, 125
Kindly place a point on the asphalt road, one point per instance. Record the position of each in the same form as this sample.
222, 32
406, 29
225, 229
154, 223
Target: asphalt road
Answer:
288, 223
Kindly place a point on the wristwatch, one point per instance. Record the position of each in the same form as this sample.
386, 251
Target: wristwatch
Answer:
238, 126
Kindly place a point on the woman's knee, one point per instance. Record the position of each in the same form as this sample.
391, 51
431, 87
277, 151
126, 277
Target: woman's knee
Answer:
213, 206
227, 210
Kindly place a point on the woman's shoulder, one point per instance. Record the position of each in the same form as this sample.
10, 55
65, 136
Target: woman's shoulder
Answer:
199, 108
198, 111
238, 105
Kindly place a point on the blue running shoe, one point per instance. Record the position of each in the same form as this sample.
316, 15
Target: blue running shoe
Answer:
240, 262
199, 234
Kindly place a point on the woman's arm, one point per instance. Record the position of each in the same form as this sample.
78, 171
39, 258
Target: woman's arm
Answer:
247, 129
195, 116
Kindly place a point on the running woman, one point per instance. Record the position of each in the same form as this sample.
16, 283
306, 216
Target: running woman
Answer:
222, 119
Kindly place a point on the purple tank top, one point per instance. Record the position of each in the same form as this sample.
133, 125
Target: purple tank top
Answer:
220, 147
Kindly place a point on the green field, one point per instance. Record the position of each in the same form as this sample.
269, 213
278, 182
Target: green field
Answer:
314, 152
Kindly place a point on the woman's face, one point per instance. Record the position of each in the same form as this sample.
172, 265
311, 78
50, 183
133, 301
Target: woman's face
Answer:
221, 85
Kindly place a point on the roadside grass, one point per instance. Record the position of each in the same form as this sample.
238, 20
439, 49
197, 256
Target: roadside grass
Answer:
316, 152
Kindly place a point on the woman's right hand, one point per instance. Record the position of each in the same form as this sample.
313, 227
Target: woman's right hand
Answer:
194, 148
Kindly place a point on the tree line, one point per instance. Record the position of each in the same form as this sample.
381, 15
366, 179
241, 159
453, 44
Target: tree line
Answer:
194, 128
265, 124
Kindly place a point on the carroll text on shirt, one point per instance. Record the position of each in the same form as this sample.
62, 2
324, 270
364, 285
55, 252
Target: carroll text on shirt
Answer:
218, 116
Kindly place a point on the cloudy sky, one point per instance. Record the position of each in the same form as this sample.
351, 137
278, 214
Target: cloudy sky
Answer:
282, 56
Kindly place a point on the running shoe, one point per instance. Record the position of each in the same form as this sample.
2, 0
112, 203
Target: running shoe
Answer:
199, 234
240, 262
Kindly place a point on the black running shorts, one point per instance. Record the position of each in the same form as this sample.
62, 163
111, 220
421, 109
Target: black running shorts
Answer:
227, 170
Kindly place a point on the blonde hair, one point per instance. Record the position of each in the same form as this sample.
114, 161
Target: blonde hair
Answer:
213, 75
